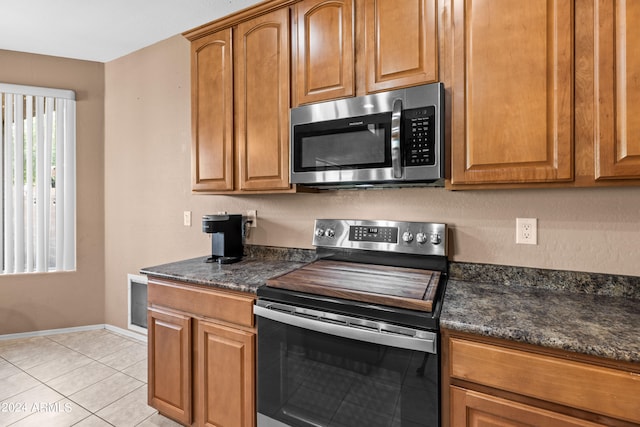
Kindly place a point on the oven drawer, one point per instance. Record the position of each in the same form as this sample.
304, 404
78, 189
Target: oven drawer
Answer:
580, 385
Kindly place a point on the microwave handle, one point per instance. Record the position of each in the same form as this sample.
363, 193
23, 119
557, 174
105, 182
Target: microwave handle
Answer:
396, 157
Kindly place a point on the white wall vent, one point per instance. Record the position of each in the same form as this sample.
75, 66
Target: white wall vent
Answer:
137, 304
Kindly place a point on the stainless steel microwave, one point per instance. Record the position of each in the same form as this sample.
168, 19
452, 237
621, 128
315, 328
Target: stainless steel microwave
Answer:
387, 139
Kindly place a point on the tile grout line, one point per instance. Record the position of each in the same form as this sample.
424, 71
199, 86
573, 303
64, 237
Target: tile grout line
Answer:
64, 396
79, 367
92, 359
24, 372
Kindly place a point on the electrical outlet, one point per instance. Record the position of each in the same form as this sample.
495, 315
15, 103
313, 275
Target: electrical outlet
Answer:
187, 218
252, 215
527, 231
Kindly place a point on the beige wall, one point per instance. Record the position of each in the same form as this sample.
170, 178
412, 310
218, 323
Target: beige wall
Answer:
147, 167
31, 302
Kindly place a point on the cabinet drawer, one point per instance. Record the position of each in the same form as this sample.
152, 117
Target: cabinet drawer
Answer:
228, 306
592, 388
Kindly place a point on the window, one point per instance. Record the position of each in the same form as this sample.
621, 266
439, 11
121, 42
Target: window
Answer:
37, 177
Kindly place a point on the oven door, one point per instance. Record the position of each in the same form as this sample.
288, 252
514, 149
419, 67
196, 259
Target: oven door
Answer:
322, 369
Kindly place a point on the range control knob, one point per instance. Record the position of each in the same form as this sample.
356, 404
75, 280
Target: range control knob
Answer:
329, 232
320, 232
407, 237
421, 238
435, 239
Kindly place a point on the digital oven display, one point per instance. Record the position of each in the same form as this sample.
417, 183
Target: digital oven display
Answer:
363, 233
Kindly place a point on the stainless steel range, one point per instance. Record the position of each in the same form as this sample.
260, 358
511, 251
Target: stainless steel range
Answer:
352, 339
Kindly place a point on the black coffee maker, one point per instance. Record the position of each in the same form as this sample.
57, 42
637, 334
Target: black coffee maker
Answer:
226, 237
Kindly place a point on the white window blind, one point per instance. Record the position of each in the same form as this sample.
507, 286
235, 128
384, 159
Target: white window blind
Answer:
38, 176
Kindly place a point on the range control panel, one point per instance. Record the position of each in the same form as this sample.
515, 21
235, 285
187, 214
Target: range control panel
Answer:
365, 233
423, 238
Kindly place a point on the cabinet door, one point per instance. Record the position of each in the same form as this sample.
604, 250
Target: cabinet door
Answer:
169, 363
511, 91
262, 101
474, 409
212, 112
617, 101
400, 46
226, 369
324, 66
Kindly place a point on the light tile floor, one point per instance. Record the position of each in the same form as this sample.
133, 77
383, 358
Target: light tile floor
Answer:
86, 379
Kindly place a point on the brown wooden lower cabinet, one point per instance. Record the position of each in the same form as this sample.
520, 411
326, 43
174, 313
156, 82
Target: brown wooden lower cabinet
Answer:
169, 372
201, 345
493, 382
471, 408
226, 377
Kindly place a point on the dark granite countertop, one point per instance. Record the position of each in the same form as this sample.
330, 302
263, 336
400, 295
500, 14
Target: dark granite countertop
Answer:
258, 265
592, 314
561, 314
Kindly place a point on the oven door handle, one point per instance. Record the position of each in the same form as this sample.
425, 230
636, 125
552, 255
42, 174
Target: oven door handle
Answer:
340, 326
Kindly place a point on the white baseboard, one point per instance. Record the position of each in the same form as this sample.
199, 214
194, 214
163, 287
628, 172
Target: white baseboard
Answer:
128, 333
110, 328
50, 332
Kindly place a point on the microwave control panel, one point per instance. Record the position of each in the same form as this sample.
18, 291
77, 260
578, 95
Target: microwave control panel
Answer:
419, 135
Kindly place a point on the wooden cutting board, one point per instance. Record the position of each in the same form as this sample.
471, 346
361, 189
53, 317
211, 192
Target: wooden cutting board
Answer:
408, 288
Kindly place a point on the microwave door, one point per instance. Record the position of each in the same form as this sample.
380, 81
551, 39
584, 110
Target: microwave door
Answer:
341, 150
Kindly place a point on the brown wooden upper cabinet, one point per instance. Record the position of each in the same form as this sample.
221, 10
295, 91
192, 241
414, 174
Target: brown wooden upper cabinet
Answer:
240, 106
542, 94
547, 93
323, 47
393, 46
262, 101
400, 43
212, 151
617, 106
511, 91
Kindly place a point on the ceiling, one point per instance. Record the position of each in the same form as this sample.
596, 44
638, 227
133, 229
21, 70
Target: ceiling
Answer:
102, 30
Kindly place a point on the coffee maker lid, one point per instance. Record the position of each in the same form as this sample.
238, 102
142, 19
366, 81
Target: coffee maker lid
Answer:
219, 217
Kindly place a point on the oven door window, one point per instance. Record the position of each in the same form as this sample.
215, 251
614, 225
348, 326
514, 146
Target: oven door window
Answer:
354, 143
308, 378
